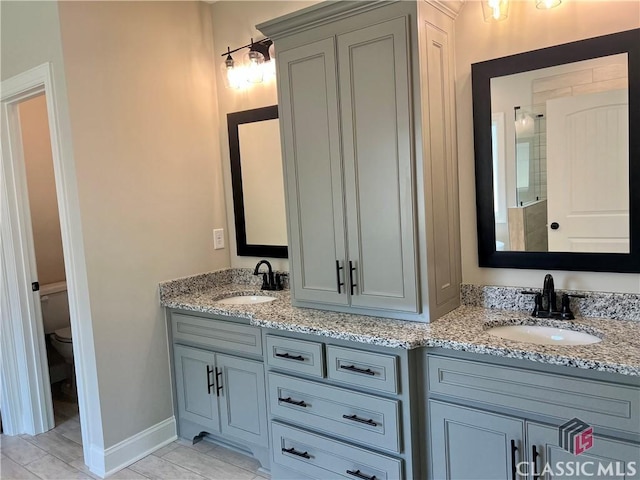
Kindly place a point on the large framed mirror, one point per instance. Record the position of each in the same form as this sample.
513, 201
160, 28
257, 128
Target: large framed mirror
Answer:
557, 156
257, 182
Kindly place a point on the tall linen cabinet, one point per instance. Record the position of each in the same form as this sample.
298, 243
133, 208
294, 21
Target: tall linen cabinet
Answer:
366, 104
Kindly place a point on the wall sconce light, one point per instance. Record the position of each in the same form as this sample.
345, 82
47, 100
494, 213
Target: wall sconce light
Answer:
258, 64
495, 10
547, 4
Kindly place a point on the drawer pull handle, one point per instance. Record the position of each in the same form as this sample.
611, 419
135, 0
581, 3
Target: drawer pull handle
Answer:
288, 356
355, 418
514, 449
293, 402
293, 451
353, 368
209, 384
359, 474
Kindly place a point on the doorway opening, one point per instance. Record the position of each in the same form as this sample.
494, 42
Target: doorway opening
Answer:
49, 258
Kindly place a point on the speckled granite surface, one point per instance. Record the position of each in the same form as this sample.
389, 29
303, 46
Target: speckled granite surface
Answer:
463, 329
622, 306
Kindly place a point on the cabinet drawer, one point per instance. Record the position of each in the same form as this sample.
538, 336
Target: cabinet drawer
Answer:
319, 457
366, 369
218, 334
295, 355
594, 402
363, 418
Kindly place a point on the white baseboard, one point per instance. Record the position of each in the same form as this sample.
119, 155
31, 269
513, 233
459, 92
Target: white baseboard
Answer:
132, 449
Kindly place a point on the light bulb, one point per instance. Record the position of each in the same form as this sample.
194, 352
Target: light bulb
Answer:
254, 61
495, 10
232, 74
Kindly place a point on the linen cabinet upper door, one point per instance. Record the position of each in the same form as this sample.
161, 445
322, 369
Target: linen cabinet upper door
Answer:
373, 65
311, 133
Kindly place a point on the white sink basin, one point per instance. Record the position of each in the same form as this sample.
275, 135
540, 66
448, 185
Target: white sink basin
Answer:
245, 299
542, 335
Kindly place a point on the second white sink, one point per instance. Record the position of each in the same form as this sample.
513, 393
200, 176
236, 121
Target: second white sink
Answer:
542, 335
245, 299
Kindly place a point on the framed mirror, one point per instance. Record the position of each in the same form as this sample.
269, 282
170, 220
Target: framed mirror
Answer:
257, 182
557, 156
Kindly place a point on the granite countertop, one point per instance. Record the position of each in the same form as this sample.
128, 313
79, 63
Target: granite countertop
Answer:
462, 329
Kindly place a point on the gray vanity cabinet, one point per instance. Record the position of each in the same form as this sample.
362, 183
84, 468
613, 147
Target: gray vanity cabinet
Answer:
491, 421
243, 406
194, 373
221, 393
341, 410
219, 382
469, 444
362, 106
311, 142
351, 113
618, 458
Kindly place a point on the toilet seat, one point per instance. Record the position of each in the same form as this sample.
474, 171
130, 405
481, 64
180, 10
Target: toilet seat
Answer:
63, 335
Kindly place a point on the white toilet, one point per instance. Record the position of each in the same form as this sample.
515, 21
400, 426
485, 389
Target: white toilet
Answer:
61, 341
55, 318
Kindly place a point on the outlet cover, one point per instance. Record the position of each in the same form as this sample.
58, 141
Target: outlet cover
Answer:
218, 238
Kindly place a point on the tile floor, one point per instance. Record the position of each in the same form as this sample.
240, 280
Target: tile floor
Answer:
57, 455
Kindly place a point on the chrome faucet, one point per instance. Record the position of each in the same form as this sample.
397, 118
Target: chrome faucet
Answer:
269, 281
545, 303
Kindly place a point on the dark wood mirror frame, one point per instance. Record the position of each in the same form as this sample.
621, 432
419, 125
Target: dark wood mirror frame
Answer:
481, 74
233, 120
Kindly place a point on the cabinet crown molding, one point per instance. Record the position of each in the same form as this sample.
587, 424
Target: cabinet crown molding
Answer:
316, 15
451, 8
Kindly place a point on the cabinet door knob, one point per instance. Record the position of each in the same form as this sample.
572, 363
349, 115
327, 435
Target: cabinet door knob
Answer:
555, 226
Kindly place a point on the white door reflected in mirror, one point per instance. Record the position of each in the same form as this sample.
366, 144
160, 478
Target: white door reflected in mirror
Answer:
561, 157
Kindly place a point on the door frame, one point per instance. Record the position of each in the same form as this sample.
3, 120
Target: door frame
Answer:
25, 399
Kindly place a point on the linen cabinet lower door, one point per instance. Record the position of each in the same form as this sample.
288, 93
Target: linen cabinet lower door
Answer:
197, 401
243, 405
469, 444
605, 459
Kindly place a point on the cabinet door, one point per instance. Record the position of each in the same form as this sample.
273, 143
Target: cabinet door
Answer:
375, 95
607, 458
197, 400
243, 407
313, 170
471, 444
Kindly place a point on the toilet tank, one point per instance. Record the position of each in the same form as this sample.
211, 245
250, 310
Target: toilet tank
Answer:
55, 306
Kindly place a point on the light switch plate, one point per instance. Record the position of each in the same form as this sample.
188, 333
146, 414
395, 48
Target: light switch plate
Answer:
218, 238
